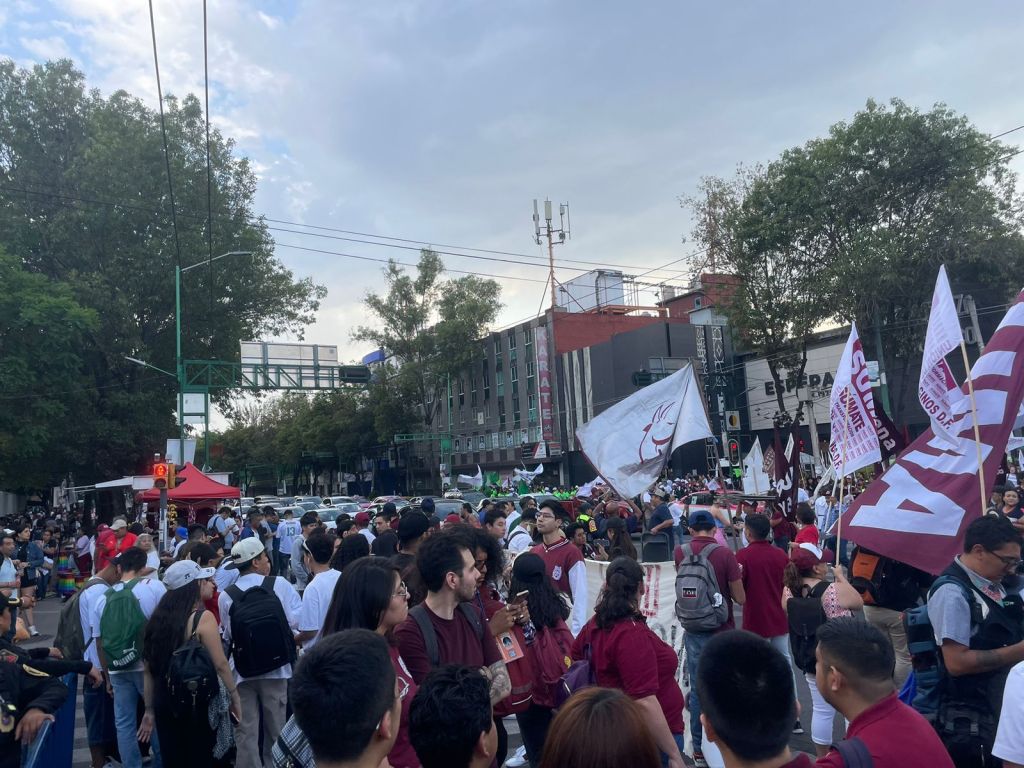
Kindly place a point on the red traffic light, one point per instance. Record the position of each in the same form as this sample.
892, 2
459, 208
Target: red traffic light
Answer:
163, 475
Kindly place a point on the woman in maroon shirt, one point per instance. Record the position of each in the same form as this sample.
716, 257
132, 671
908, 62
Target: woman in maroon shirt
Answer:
627, 655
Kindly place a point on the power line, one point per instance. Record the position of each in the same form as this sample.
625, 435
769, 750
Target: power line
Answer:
209, 171
404, 263
163, 131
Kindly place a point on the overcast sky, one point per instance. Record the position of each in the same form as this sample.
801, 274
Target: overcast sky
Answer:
441, 120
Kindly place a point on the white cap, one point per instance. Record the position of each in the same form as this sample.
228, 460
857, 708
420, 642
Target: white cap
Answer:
244, 552
119, 523
185, 572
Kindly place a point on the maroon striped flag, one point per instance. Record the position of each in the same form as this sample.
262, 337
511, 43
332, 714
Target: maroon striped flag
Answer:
917, 511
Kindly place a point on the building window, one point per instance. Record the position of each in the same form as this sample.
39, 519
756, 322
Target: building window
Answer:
501, 413
497, 345
528, 335
472, 391
487, 411
481, 443
458, 445
512, 338
531, 369
487, 383
495, 440
524, 436
536, 434
508, 440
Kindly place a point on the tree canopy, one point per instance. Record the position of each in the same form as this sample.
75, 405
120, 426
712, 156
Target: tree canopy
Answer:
84, 204
854, 226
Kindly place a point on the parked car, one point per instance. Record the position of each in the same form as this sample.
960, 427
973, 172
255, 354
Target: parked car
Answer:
398, 501
307, 504
330, 501
329, 515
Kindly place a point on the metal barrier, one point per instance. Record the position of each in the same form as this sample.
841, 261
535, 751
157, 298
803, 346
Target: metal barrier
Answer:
54, 745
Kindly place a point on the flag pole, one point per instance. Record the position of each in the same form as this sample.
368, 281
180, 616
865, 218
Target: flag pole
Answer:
977, 429
842, 474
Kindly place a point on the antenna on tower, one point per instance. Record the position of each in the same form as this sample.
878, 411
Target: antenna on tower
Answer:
548, 231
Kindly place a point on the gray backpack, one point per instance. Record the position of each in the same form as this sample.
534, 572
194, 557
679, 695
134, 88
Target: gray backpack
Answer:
700, 605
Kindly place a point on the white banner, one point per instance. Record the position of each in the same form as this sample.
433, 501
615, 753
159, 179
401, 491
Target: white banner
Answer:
854, 444
755, 479
937, 390
629, 443
476, 481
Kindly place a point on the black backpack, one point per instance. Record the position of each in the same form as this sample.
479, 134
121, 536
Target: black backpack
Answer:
191, 677
805, 615
261, 640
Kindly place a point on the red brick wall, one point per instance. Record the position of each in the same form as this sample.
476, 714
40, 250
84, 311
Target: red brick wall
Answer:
575, 331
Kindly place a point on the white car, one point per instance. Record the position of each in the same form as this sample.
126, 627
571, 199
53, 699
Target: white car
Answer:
329, 515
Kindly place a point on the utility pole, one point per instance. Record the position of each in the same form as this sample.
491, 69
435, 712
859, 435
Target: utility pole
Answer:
547, 231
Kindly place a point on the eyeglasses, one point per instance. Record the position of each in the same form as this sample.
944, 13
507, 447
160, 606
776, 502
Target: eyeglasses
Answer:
545, 517
402, 591
1009, 561
404, 690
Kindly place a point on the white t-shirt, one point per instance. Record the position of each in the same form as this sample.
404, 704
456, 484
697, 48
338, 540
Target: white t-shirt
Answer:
368, 535
148, 592
821, 511
153, 559
316, 599
292, 609
287, 530
1010, 736
802, 495
86, 610
676, 511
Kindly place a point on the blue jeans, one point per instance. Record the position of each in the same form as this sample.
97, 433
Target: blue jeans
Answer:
694, 643
128, 689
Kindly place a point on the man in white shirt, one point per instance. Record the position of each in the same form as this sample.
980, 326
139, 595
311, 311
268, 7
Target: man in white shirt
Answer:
821, 510
265, 696
287, 531
127, 683
1010, 735
362, 522
316, 599
309, 522
96, 702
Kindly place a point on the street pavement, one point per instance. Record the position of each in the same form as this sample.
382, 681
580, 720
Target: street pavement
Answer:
48, 611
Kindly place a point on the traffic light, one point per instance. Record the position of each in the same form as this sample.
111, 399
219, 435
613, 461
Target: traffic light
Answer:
163, 476
734, 452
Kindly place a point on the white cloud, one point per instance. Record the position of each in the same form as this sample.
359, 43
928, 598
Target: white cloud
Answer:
46, 48
271, 22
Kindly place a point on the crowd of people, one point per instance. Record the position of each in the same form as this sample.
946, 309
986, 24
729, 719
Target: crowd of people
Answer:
408, 640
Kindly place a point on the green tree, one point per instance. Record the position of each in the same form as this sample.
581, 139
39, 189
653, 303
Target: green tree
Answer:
429, 327
854, 226
84, 201
42, 330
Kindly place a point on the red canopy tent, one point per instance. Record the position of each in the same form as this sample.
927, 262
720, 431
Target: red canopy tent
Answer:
192, 488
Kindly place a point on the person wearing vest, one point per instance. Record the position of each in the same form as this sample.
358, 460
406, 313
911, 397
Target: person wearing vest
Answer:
978, 628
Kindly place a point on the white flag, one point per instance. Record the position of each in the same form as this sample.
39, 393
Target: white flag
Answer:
630, 442
854, 443
937, 389
476, 480
755, 479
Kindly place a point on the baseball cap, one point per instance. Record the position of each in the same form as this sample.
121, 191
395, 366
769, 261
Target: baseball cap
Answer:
185, 572
807, 555
362, 518
119, 523
701, 518
452, 519
244, 552
182, 531
412, 526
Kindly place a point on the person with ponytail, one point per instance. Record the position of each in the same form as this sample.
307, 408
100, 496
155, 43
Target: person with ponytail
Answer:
626, 654
369, 595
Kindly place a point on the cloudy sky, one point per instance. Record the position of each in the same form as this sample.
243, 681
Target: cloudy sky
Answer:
440, 120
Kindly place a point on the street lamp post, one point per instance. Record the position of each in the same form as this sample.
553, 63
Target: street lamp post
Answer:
179, 363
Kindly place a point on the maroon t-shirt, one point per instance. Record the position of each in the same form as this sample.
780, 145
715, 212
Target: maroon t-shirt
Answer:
402, 755
762, 564
895, 735
630, 657
558, 559
457, 643
726, 570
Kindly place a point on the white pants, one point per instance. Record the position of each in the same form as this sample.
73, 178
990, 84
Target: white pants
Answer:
823, 716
